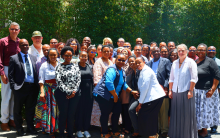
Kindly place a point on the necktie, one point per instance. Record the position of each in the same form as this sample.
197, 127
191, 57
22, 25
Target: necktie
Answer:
27, 64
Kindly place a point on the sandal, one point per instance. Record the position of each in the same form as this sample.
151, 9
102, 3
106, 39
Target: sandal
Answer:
106, 136
118, 135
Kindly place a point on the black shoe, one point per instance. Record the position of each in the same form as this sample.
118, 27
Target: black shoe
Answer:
21, 132
213, 130
31, 131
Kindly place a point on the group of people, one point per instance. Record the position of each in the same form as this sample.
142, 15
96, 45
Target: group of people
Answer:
153, 89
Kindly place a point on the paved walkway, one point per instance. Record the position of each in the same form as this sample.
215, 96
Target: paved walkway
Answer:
95, 132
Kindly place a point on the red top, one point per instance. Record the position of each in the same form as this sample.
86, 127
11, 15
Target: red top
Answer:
8, 48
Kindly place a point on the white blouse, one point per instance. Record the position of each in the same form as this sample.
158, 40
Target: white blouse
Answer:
46, 72
149, 86
183, 76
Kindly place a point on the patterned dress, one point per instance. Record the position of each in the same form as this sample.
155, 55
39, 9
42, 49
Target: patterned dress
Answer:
47, 110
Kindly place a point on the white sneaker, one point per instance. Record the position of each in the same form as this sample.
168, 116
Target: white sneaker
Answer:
86, 133
79, 134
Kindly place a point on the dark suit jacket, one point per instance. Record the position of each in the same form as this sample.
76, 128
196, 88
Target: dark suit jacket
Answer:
163, 71
16, 71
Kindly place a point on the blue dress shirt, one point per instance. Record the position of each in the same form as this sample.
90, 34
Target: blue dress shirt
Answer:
27, 77
155, 65
109, 82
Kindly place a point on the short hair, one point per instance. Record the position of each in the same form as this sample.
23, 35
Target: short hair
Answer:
60, 43
132, 56
137, 45
171, 42
173, 51
202, 44
48, 60
83, 52
121, 38
68, 42
99, 45
165, 47
90, 48
45, 45
183, 45
111, 45
145, 45
107, 38
15, 24
141, 59
153, 43
66, 48
119, 55
105, 46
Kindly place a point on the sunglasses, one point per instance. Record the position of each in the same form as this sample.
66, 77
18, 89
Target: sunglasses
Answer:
211, 50
93, 52
126, 46
192, 50
121, 60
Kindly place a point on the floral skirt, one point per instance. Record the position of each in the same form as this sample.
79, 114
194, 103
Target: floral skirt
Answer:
207, 109
46, 112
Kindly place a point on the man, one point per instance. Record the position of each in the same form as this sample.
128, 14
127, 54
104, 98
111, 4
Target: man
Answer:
36, 47
138, 52
211, 52
162, 44
161, 67
53, 43
87, 40
139, 41
152, 44
192, 53
8, 46
23, 81
127, 45
45, 49
171, 45
120, 43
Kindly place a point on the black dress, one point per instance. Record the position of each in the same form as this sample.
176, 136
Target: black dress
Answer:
84, 111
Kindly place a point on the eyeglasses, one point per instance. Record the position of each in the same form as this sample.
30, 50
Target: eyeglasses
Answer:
156, 51
14, 29
53, 42
211, 50
93, 52
121, 60
137, 49
199, 50
121, 41
68, 56
126, 46
74, 44
181, 51
192, 50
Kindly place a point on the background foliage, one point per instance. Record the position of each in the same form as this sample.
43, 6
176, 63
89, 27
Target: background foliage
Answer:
182, 21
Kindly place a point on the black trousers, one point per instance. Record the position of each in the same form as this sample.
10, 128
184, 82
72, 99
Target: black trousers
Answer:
83, 114
126, 118
106, 108
67, 109
26, 96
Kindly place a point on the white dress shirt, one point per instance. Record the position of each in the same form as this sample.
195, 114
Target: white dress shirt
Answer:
33, 51
183, 76
46, 72
148, 86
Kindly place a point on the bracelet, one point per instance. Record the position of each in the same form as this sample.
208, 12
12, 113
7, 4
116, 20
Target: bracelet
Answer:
131, 91
170, 89
191, 91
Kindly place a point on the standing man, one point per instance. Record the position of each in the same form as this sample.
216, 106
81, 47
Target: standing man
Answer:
211, 52
87, 40
192, 53
161, 67
8, 46
120, 43
138, 52
162, 44
23, 81
127, 45
36, 47
171, 45
53, 43
139, 41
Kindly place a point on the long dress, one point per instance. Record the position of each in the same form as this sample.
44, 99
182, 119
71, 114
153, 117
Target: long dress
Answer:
46, 112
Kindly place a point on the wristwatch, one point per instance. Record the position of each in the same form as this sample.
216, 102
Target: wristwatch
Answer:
131, 91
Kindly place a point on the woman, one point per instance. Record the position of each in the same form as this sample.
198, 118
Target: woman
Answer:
146, 51
106, 94
111, 53
99, 69
107, 41
206, 94
47, 110
59, 47
68, 78
173, 55
72, 42
150, 100
164, 52
83, 47
84, 109
99, 51
181, 93
91, 55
